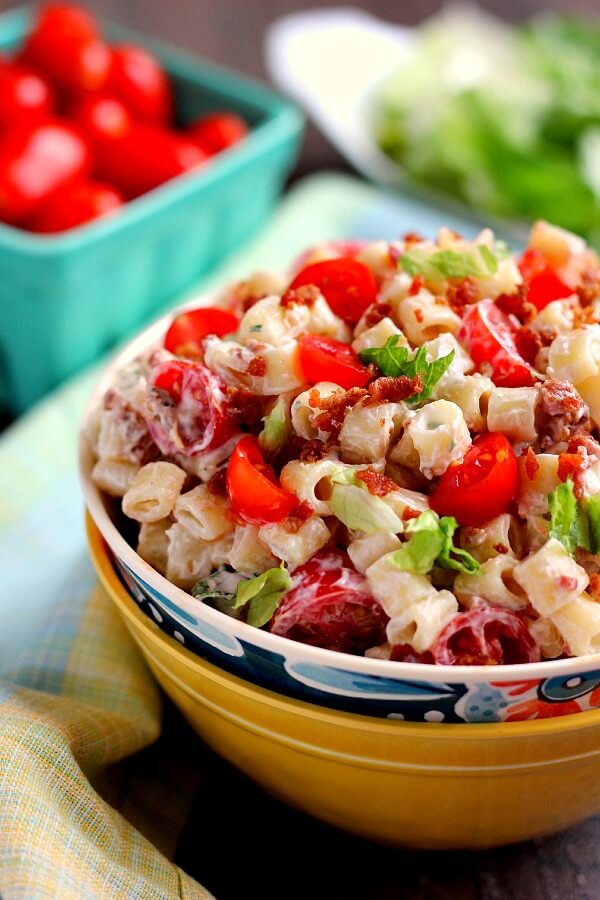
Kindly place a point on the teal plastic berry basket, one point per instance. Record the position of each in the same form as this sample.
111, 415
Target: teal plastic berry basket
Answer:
65, 299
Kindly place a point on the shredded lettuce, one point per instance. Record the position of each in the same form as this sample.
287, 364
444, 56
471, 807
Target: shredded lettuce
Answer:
568, 521
393, 360
592, 509
277, 428
262, 594
477, 262
430, 544
218, 590
362, 511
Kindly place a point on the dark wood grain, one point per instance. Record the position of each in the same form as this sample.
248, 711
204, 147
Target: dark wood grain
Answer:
237, 841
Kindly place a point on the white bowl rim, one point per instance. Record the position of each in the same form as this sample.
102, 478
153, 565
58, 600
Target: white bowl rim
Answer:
359, 665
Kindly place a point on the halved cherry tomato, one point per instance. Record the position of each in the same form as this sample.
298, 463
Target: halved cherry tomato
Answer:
77, 204
36, 161
137, 79
251, 485
25, 96
489, 336
347, 284
543, 283
330, 605
481, 485
323, 359
65, 45
485, 636
186, 333
187, 414
217, 131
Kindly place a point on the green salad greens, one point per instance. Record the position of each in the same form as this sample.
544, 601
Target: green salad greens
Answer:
505, 118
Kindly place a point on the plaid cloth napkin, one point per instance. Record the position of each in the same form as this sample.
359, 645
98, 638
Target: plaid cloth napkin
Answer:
75, 696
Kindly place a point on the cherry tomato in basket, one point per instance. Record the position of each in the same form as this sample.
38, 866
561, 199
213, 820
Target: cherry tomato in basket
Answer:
347, 284
35, 162
102, 118
543, 283
186, 333
65, 45
252, 486
25, 96
77, 203
481, 485
217, 131
489, 336
187, 413
137, 79
324, 359
485, 636
329, 605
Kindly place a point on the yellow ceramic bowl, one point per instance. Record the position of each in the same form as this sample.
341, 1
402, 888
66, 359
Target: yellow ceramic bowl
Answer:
425, 785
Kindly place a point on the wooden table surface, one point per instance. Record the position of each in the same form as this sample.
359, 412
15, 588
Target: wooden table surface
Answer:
238, 842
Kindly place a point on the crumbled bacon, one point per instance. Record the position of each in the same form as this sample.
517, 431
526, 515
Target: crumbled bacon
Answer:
517, 304
313, 451
217, 485
305, 295
334, 408
588, 289
530, 342
594, 586
559, 398
298, 516
569, 465
375, 313
257, 366
416, 285
419, 317
462, 293
562, 412
501, 548
392, 390
567, 582
531, 464
585, 441
376, 484
412, 237
409, 513
244, 406
407, 653
585, 315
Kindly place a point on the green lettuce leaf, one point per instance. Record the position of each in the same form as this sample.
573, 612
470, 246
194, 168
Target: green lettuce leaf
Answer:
263, 594
592, 508
362, 511
393, 360
431, 544
568, 521
476, 262
277, 428
218, 590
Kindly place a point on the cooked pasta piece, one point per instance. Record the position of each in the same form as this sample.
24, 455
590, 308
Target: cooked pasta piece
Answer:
461, 363
115, 476
420, 623
550, 578
248, 554
494, 582
496, 538
295, 546
189, 558
377, 335
557, 245
310, 481
559, 316
472, 394
423, 317
206, 464
574, 356
512, 412
153, 543
378, 258
368, 431
579, 624
403, 500
153, 492
547, 637
535, 483
304, 411
364, 551
205, 515
272, 323
396, 589
439, 435
234, 363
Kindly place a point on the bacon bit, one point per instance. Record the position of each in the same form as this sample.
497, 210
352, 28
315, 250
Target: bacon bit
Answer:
217, 485
298, 516
531, 464
375, 313
335, 408
566, 582
418, 314
257, 366
517, 305
244, 406
305, 295
392, 390
394, 254
529, 343
588, 289
313, 451
559, 398
412, 237
409, 513
573, 465
585, 315
582, 441
376, 484
406, 653
462, 293
594, 586
417, 284
500, 548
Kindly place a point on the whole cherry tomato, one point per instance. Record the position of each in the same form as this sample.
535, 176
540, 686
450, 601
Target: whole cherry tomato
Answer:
25, 96
217, 131
102, 118
187, 413
489, 336
347, 284
481, 485
252, 488
65, 45
543, 283
137, 79
35, 162
485, 636
187, 331
324, 359
330, 605
77, 203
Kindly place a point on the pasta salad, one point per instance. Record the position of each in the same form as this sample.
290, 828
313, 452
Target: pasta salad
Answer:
393, 451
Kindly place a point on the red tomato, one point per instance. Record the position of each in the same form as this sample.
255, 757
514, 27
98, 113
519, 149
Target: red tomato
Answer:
76, 204
187, 331
489, 336
187, 414
103, 119
481, 485
331, 248
323, 359
330, 605
543, 283
347, 284
254, 494
25, 96
485, 636
217, 131
35, 162
137, 79
65, 46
